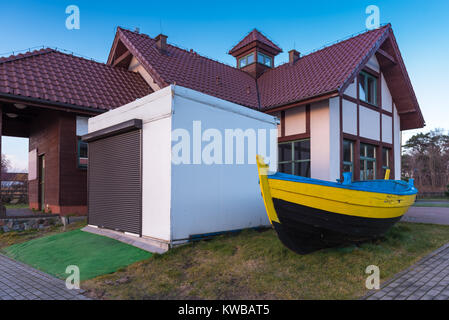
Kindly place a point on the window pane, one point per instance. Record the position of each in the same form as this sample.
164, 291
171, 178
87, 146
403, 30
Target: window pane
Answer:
362, 89
250, 58
260, 57
268, 61
347, 150
285, 152
285, 168
370, 170
370, 151
362, 170
347, 168
83, 149
302, 168
385, 157
372, 90
242, 62
82, 156
302, 150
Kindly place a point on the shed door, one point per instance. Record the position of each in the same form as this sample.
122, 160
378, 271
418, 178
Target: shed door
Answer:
115, 183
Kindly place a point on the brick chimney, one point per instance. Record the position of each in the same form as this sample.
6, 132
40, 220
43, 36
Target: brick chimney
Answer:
293, 55
161, 42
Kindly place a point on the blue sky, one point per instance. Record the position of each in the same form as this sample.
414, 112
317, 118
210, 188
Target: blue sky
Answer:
212, 28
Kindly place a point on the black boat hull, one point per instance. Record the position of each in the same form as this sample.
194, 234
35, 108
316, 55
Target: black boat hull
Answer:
304, 229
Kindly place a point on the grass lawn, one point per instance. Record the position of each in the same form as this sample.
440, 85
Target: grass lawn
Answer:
94, 255
9, 238
16, 206
255, 265
433, 199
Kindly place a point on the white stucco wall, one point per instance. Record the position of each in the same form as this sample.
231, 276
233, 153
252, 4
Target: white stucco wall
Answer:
325, 139
397, 144
369, 123
216, 197
351, 90
373, 63
387, 130
387, 101
295, 121
349, 117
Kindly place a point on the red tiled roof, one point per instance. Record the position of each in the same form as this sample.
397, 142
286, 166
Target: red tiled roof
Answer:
57, 77
318, 73
188, 69
254, 35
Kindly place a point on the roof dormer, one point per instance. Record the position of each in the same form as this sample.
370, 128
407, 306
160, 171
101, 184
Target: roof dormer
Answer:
255, 53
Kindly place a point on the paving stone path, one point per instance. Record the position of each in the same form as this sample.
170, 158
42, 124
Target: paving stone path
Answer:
426, 280
434, 215
21, 282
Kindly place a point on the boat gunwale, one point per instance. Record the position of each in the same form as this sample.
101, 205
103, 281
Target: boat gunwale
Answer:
298, 179
390, 206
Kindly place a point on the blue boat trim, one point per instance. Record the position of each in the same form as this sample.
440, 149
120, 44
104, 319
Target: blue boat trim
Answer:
396, 187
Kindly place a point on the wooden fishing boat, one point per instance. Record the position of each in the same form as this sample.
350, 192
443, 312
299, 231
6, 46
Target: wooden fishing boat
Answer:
310, 214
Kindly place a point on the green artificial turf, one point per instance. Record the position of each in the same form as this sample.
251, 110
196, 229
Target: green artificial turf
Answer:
94, 255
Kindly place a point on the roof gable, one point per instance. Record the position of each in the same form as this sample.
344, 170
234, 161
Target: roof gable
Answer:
255, 36
399, 84
190, 70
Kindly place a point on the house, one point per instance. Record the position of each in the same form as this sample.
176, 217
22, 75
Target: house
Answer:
341, 108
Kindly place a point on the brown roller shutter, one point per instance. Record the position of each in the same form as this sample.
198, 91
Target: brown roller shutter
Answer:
115, 182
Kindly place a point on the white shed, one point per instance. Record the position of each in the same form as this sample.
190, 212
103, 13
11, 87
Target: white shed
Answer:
178, 164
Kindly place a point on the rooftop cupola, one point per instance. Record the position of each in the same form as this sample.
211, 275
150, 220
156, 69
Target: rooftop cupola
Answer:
255, 53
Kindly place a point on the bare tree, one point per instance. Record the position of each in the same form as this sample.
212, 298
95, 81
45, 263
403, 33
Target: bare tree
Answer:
5, 164
426, 159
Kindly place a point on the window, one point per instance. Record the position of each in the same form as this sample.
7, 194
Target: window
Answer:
82, 154
367, 162
348, 156
385, 160
246, 60
368, 88
294, 157
264, 59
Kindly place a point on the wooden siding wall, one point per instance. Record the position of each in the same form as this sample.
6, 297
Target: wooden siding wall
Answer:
73, 180
44, 136
53, 134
